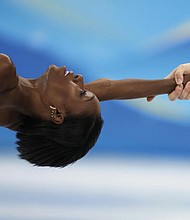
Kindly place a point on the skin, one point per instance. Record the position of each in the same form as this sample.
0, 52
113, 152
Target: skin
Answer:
180, 92
67, 92
34, 97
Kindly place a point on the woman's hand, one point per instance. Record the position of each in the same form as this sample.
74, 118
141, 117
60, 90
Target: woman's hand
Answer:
179, 92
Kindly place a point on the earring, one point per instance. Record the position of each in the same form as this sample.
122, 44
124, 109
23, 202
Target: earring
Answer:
53, 111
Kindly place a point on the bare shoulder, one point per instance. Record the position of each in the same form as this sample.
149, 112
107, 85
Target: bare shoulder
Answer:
8, 76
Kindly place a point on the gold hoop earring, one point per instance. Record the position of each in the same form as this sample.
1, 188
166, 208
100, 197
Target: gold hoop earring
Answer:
53, 111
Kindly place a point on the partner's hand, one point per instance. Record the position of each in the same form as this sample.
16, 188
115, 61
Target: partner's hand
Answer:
179, 92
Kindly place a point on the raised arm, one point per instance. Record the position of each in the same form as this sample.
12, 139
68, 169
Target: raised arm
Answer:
106, 89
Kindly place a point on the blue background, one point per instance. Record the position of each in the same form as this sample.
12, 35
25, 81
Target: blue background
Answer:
113, 39
139, 169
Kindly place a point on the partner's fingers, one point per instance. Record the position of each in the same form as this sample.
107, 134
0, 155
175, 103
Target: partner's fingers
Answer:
177, 74
185, 93
179, 77
176, 93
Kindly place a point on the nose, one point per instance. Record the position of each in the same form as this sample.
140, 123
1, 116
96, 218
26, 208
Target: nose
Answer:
78, 79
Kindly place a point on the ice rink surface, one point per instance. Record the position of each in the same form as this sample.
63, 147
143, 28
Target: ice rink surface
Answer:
96, 189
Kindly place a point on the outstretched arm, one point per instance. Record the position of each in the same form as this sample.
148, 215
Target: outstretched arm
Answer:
106, 89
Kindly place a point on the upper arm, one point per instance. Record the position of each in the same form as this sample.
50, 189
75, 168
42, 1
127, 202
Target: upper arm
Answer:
8, 76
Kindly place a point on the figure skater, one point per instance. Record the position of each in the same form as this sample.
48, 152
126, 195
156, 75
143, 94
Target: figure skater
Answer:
57, 117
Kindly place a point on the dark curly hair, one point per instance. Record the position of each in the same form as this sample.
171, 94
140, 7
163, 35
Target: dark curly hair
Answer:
44, 143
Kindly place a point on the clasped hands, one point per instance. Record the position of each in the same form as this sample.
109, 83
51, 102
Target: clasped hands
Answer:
180, 92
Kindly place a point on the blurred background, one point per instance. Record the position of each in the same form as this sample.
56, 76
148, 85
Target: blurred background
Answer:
139, 169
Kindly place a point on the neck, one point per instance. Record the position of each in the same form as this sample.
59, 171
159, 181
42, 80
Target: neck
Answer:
26, 99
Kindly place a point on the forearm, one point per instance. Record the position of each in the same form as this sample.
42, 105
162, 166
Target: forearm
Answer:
106, 89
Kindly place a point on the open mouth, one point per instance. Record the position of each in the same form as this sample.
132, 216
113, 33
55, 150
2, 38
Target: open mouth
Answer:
67, 73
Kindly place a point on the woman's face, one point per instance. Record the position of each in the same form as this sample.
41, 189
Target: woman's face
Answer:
65, 91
